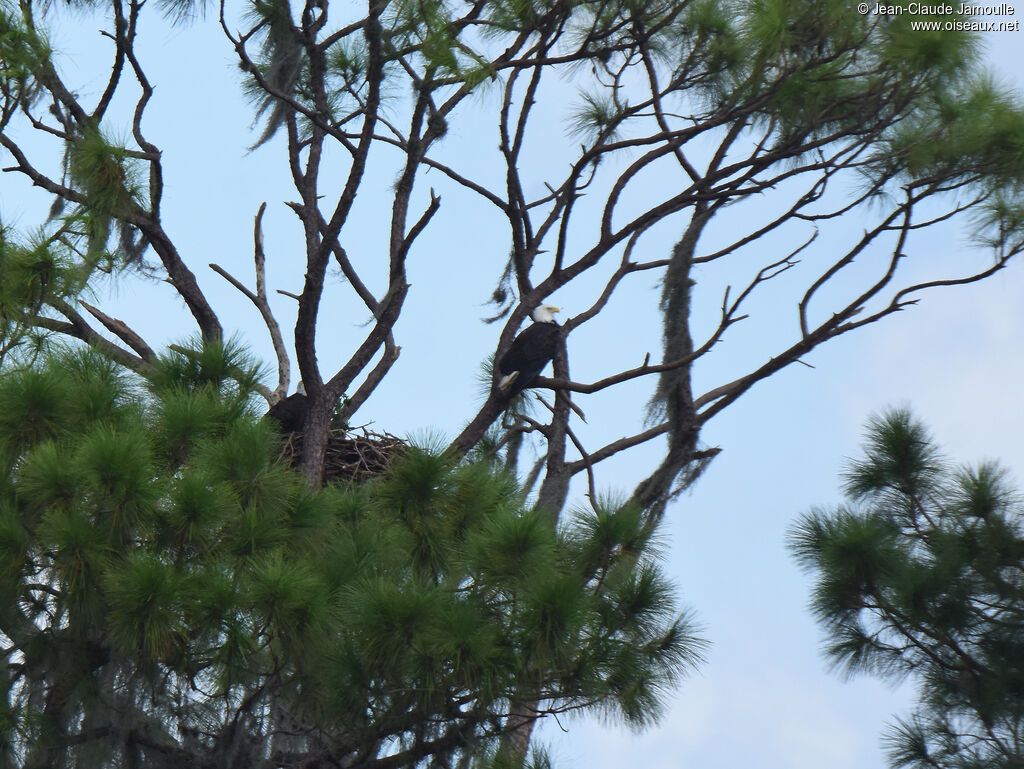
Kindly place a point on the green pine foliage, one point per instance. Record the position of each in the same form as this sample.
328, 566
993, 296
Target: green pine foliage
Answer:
46, 272
173, 595
23, 51
108, 181
921, 575
37, 271
103, 170
102, 175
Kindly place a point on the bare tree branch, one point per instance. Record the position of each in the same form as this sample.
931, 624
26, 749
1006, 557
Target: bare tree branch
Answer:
122, 331
263, 305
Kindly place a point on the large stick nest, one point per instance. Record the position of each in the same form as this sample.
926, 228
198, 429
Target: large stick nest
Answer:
351, 456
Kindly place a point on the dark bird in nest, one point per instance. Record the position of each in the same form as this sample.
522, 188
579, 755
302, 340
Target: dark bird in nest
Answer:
291, 412
530, 352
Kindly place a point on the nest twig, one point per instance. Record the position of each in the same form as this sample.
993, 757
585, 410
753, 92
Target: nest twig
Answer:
351, 456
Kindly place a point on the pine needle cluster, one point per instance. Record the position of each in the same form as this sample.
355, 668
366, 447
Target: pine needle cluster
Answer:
921, 575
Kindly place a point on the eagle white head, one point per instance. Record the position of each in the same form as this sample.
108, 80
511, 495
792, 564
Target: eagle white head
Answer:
545, 313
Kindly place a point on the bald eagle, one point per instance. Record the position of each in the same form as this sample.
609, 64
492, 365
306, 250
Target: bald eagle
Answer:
530, 352
291, 412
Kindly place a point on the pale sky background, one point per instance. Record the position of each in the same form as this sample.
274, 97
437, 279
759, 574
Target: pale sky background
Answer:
765, 697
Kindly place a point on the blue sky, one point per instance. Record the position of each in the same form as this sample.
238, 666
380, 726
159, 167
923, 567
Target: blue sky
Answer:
765, 697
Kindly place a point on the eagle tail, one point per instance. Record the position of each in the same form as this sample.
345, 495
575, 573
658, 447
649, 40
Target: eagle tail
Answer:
508, 380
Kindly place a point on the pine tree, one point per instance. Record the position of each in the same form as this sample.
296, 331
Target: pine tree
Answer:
921, 575
719, 150
173, 595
